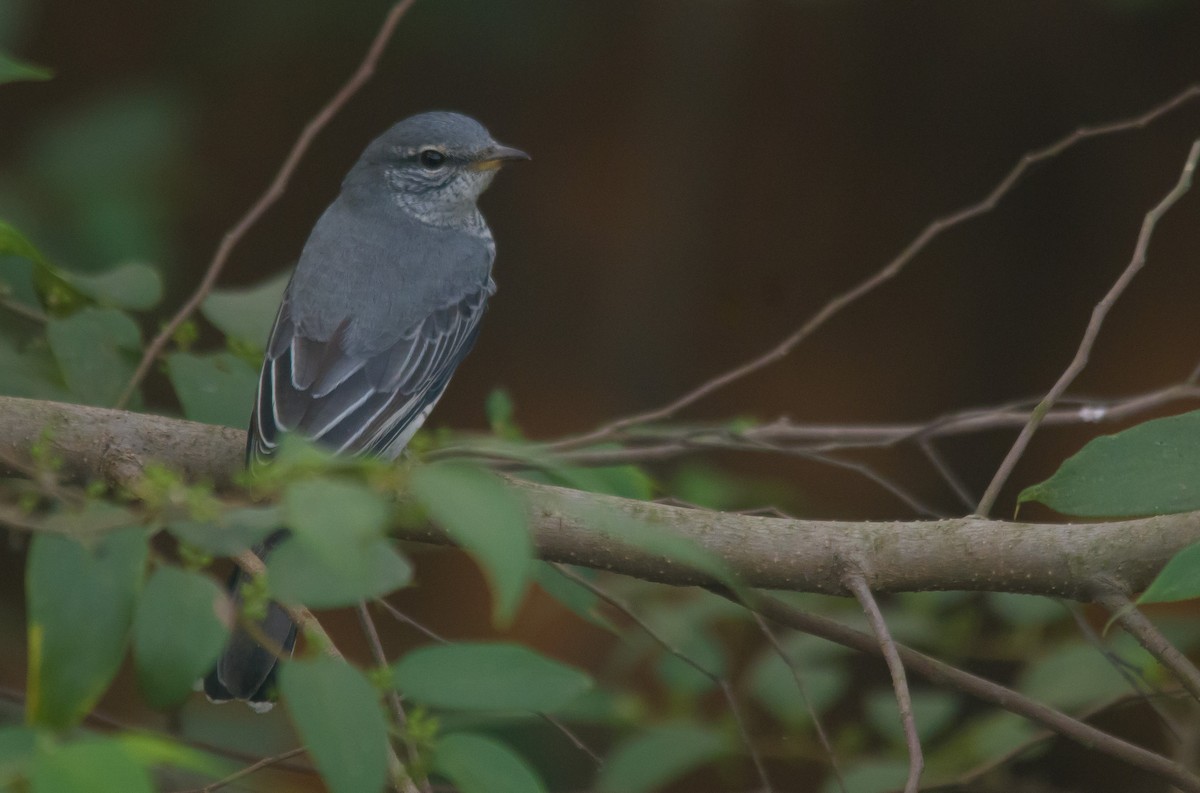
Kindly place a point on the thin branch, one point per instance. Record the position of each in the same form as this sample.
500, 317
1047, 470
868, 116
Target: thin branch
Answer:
889, 271
393, 697
1083, 353
23, 311
947, 675
717, 680
946, 472
822, 737
266, 762
273, 192
856, 582
1150, 637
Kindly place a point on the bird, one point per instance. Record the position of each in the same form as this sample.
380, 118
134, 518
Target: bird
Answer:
384, 303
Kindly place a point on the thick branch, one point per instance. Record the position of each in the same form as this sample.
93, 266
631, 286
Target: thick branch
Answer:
970, 553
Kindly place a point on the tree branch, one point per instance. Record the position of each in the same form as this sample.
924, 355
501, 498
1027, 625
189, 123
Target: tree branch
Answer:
1062, 560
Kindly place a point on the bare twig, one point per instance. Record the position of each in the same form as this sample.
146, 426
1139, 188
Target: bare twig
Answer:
393, 696
266, 762
717, 680
822, 737
856, 582
22, 310
1149, 636
945, 674
272, 194
1082, 354
947, 473
932, 231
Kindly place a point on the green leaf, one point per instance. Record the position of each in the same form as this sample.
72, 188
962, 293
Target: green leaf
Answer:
328, 515
246, 314
81, 604
658, 755
12, 70
1150, 469
17, 746
178, 633
237, 530
132, 285
1178, 580
30, 373
774, 686
157, 750
488, 519
214, 389
571, 595
932, 710
487, 677
337, 713
92, 765
1071, 677
97, 351
298, 574
872, 776
476, 764
1025, 610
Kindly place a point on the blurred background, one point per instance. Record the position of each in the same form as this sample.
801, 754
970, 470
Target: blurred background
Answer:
706, 175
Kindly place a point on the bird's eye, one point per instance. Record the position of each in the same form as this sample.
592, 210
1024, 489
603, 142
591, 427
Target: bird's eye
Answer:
432, 158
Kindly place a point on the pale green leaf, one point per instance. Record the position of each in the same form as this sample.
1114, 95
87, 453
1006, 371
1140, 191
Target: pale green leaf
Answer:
658, 755
246, 314
338, 716
217, 388
1178, 580
476, 764
97, 350
488, 519
178, 632
487, 677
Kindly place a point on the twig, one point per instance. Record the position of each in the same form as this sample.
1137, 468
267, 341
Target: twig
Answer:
22, 310
1150, 637
947, 473
822, 737
856, 582
1089, 335
248, 770
881, 276
718, 680
945, 674
272, 194
393, 696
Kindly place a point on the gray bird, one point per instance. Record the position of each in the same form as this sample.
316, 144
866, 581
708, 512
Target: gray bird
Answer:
384, 304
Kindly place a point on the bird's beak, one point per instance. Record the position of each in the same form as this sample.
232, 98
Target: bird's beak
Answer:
496, 156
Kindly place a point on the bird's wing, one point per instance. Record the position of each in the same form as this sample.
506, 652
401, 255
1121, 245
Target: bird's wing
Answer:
359, 403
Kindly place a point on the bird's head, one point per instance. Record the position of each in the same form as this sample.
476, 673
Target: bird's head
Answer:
434, 165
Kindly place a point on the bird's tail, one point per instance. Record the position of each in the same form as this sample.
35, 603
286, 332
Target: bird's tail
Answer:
246, 668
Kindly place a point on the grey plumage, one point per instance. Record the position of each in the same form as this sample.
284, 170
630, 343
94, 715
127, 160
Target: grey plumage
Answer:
385, 302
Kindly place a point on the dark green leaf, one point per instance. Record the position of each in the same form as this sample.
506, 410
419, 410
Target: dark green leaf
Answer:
178, 632
97, 351
338, 716
476, 764
774, 686
487, 518
12, 70
1150, 469
215, 389
487, 677
246, 314
92, 765
131, 285
236, 530
17, 745
658, 755
81, 604
1178, 580
1026, 610
299, 574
